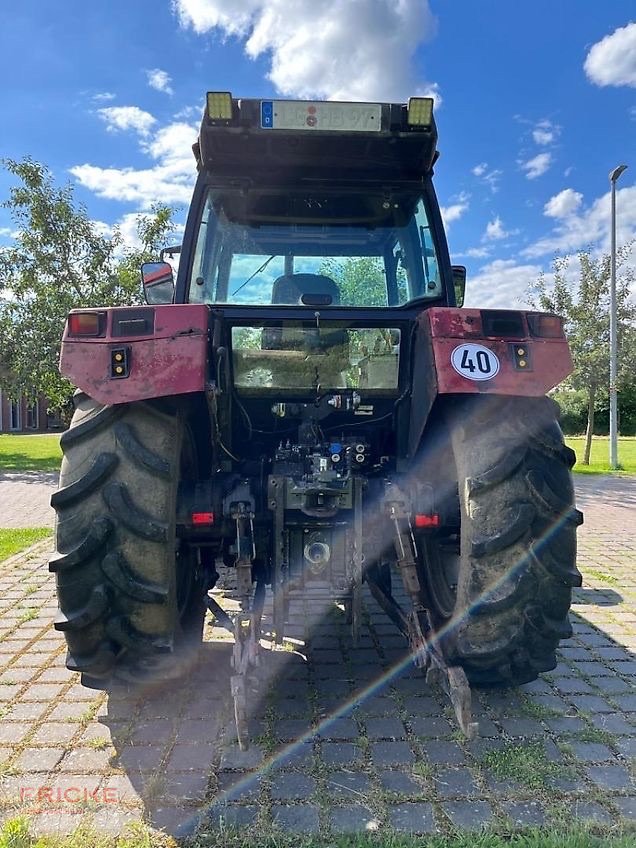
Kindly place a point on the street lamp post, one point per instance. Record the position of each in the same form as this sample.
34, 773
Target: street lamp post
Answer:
613, 410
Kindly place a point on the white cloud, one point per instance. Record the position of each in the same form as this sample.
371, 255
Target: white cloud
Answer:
120, 118
489, 177
476, 252
169, 180
159, 80
612, 61
501, 284
545, 132
536, 166
455, 211
590, 227
334, 49
7, 232
495, 230
564, 203
103, 97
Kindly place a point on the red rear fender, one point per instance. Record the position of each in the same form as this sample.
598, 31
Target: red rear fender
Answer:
162, 350
491, 351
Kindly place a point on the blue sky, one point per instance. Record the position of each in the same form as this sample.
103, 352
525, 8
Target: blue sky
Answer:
536, 104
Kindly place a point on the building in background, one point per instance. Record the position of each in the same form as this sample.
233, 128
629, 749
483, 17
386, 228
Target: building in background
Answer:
26, 416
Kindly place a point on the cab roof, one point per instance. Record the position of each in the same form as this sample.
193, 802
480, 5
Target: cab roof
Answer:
272, 142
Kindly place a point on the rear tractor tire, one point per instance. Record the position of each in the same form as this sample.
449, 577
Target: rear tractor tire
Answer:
517, 549
131, 594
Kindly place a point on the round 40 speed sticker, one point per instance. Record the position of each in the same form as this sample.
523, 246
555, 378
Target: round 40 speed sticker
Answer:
475, 362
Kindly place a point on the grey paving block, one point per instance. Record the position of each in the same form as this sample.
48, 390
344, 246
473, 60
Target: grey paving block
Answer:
444, 753
627, 746
297, 756
401, 783
613, 685
593, 669
522, 727
626, 806
377, 706
590, 811
293, 708
299, 819
237, 787
184, 757
614, 723
627, 669
340, 753
340, 728
572, 685
354, 785
468, 815
591, 752
291, 787
234, 758
610, 777
566, 724
455, 783
412, 817
223, 816
627, 703
592, 704
385, 728
422, 706
430, 727
525, 813
352, 818
391, 753
291, 729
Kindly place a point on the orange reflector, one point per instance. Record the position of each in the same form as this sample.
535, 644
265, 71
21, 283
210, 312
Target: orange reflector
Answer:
203, 518
545, 326
84, 324
422, 521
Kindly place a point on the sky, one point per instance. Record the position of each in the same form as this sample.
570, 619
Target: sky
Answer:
535, 105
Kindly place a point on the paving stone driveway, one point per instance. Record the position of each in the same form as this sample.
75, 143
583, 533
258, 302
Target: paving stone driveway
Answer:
346, 739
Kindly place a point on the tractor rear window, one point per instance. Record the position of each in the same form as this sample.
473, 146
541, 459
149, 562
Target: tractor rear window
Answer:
295, 355
347, 249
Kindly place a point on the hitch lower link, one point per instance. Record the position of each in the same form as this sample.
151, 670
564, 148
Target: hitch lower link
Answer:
418, 627
246, 626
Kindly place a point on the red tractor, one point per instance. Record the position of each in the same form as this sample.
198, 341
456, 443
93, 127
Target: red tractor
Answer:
309, 404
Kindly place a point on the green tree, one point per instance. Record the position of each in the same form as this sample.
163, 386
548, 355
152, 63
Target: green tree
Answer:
60, 260
361, 280
583, 301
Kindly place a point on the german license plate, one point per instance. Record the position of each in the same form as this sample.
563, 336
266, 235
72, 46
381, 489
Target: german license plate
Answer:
322, 115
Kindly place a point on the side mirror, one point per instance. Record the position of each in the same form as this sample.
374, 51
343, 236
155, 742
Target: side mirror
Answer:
459, 283
158, 282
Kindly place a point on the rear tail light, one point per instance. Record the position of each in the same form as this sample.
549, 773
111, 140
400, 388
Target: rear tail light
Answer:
502, 324
425, 521
86, 324
545, 326
202, 518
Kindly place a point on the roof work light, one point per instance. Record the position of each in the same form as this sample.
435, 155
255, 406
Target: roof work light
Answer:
420, 111
219, 105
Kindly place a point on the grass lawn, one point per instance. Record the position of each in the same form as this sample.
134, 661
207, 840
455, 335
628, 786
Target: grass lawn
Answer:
14, 540
15, 833
30, 453
599, 458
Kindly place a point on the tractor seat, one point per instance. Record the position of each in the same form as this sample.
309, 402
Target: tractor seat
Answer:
290, 289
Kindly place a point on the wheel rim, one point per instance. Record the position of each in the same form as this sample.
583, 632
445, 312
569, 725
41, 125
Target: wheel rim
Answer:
441, 567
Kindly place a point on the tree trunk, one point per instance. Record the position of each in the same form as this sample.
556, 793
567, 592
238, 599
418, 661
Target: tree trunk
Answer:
590, 425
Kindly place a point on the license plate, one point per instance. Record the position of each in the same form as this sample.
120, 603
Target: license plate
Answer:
320, 115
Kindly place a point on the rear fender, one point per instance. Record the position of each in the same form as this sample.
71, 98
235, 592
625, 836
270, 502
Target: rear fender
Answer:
165, 350
468, 360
